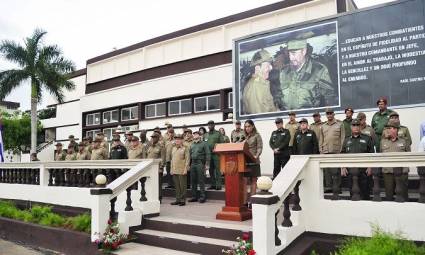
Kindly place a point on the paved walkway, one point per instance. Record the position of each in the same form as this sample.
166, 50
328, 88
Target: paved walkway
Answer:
10, 248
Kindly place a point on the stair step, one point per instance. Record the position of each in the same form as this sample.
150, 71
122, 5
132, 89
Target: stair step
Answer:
211, 194
137, 249
181, 242
224, 231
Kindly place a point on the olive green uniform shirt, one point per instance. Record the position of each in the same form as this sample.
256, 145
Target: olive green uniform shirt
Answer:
70, 156
138, 152
279, 139
199, 151
379, 120
358, 144
399, 145
311, 86
237, 136
333, 135
403, 132
157, 151
305, 143
347, 126
60, 156
212, 138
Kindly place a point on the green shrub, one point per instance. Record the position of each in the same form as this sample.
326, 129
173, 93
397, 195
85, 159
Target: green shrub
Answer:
39, 212
381, 243
80, 223
52, 220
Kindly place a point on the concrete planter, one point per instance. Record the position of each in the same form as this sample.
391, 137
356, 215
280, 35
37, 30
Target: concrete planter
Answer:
58, 239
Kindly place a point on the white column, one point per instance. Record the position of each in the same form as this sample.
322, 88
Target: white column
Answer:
152, 191
100, 206
44, 176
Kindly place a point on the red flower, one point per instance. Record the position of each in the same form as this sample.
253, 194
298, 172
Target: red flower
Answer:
109, 222
115, 246
251, 252
245, 236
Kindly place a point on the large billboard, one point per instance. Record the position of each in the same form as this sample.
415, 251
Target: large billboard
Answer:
350, 60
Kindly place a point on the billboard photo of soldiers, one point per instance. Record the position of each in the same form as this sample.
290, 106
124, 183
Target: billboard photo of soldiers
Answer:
294, 70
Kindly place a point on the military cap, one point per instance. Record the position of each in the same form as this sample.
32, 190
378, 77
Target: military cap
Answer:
292, 113
393, 114
316, 114
382, 99
81, 144
300, 41
238, 122
393, 123
330, 110
349, 109
71, 136
158, 132
178, 136
156, 128
188, 130
260, 57
169, 125
196, 132
278, 120
155, 134
361, 115
58, 144
355, 122
210, 122
129, 132
303, 120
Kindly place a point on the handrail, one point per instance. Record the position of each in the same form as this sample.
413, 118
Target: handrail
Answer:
75, 164
44, 145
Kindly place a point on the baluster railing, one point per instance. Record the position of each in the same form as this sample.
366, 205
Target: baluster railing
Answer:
421, 172
376, 173
286, 213
399, 183
297, 200
128, 201
355, 189
142, 189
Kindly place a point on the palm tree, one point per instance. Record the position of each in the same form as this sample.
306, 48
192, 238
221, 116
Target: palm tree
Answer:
43, 66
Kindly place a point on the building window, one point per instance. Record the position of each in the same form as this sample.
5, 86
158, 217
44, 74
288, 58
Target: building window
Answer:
130, 113
130, 128
92, 133
108, 132
230, 99
93, 119
110, 116
177, 107
207, 103
155, 110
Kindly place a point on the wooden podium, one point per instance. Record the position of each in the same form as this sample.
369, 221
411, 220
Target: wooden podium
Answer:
233, 159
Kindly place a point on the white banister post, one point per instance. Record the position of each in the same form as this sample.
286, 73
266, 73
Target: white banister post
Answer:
152, 205
44, 176
99, 211
264, 208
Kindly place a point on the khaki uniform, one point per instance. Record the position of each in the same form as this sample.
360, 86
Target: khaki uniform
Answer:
292, 127
70, 156
237, 136
84, 155
311, 86
88, 148
99, 154
127, 144
138, 152
180, 160
403, 132
399, 145
257, 97
255, 145
368, 130
60, 156
168, 144
317, 129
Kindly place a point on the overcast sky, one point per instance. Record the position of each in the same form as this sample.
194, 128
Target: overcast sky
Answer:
85, 29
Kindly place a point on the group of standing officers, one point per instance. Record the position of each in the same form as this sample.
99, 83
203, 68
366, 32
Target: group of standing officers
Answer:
187, 157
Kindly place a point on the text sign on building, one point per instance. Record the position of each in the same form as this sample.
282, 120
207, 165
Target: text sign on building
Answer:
346, 61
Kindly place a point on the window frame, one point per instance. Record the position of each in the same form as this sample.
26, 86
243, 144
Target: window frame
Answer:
112, 121
180, 107
93, 130
129, 109
156, 110
94, 119
206, 103
230, 99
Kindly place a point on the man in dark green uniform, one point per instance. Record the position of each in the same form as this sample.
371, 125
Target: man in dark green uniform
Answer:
305, 82
305, 141
347, 121
279, 142
380, 119
200, 158
118, 150
358, 143
212, 137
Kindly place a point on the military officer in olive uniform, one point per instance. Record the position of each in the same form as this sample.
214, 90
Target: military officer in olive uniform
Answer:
366, 129
136, 150
292, 126
305, 82
98, 151
168, 139
180, 161
237, 134
256, 96
59, 153
187, 141
279, 143
403, 131
316, 126
200, 156
73, 143
82, 153
70, 153
212, 137
143, 138
157, 151
347, 121
393, 143
88, 146
128, 138
305, 141
118, 150
101, 137
359, 143
332, 138
380, 119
